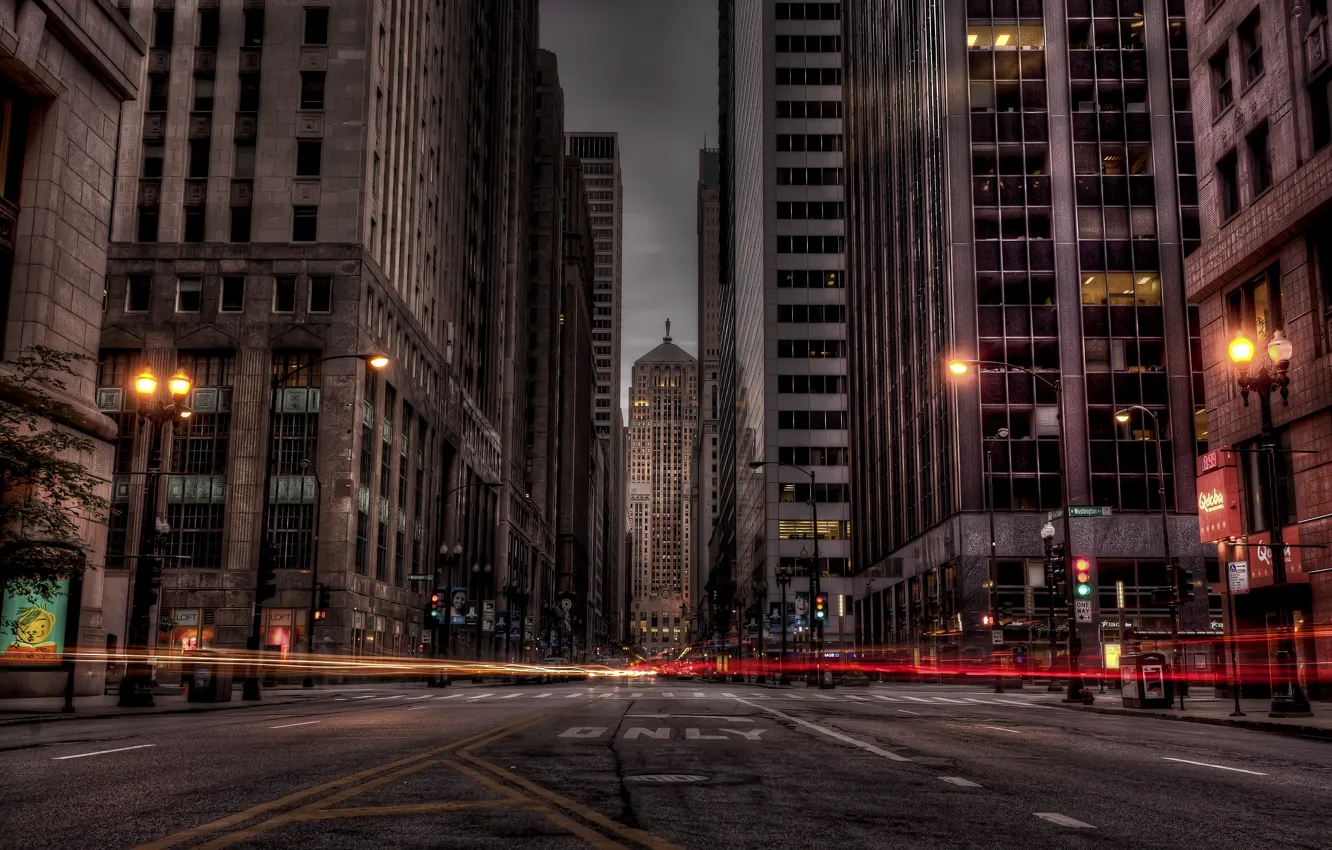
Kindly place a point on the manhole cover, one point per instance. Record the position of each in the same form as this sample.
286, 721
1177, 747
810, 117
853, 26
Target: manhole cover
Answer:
667, 778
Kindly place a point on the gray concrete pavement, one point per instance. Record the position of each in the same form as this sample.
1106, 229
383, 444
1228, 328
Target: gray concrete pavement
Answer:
662, 764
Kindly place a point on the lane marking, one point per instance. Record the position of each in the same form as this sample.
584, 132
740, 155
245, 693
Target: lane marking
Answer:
371, 696
392, 696
451, 696
1217, 766
825, 696
1062, 820
886, 699
103, 752
857, 699
423, 696
960, 782
638, 695
912, 713
668, 695
418, 707
915, 699
728, 695
946, 699
339, 699
698, 694
479, 697
302, 723
832, 733
543, 696
508, 696
1000, 729
577, 695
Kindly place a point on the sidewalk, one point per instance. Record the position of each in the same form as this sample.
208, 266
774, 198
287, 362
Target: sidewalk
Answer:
173, 701
1216, 712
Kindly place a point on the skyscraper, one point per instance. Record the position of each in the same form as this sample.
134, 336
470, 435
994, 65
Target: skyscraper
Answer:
705, 479
976, 237
600, 156
782, 177
302, 184
662, 429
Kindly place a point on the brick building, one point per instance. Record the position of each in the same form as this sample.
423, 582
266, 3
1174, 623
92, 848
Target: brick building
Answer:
306, 180
1262, 101
66, 68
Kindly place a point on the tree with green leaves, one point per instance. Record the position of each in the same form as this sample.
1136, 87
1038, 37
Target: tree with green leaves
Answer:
45, 491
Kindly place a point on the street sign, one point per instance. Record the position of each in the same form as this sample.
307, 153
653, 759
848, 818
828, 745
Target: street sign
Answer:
425, 637
1238, 572
1081, 512
419, 577
1082, 610
997, 636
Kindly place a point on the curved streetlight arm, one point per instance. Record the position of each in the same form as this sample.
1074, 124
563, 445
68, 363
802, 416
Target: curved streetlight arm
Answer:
282, 379
756, 465
1054, 385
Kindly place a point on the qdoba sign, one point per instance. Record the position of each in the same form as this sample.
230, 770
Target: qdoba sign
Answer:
1218, 497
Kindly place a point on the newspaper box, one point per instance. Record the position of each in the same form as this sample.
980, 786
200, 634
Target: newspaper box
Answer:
1146, 680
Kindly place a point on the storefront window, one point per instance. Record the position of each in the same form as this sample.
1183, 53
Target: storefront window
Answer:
284, 629
186, 629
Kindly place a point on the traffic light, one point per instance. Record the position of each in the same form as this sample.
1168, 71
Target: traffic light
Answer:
1058, 569
147, 582
1082, 578
322, 606
820, 608
987, 620
436, 600
1184, 581
266, 583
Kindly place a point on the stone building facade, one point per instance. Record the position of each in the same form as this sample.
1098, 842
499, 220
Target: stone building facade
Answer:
300, 184
66, 69
1262, 98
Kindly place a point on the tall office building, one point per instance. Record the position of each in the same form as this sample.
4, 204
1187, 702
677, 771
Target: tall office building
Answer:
600, 156
303, 183
783, 241
70, 68
976, 236
663, 426
705, 479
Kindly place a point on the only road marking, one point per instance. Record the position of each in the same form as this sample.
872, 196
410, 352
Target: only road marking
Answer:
302, 723
1062, 820
960, 782
1217, 766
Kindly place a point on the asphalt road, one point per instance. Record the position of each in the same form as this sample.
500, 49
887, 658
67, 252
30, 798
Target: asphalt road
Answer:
660, 764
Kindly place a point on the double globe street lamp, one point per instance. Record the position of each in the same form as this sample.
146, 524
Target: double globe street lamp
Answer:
136, 687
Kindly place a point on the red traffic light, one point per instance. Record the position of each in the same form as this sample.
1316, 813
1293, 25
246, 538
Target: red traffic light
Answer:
434, 599
1082, 567
820, 606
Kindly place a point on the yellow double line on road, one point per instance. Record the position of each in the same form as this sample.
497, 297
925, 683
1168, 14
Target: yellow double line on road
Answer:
375, 777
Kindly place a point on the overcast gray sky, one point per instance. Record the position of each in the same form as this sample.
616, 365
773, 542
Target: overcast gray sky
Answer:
646, 69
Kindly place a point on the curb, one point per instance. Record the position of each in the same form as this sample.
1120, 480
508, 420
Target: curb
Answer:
1318, 732
51, 718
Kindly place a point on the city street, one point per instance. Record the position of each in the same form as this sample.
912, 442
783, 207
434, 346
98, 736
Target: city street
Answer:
661, 764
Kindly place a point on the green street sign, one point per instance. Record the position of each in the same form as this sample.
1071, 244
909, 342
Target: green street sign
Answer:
1081, 511
419, 576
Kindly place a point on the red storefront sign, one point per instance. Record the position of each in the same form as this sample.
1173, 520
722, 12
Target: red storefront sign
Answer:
1218, 497
1260, 558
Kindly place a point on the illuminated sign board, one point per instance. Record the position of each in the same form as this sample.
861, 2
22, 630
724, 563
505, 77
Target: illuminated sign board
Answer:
32, 629
1218, 497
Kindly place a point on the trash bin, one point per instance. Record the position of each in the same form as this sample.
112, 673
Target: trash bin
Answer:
211, 679
1146, 680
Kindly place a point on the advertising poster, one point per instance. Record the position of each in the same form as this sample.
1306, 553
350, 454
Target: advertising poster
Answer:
501, 622
802, 605
458, 606
515, 626
471, 614
32, 629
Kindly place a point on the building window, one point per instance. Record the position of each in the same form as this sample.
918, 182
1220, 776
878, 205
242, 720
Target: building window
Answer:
1255, 308
200, 150
321, 294
152, 160
312, 90
1251, 47
240, 224
253, 35
196, 538
248, 100
1227, 186
208, 27
194, 224
157, 92
316, 25
304, 224
284, 294
189, 294
1260, 160
147, 230
164, 26
233, 294
1222, 92
203, 92
138, 293
244, 167
308, 155
200, 444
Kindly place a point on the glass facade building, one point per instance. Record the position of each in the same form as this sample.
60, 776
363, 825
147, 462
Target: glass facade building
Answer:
1021, 192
